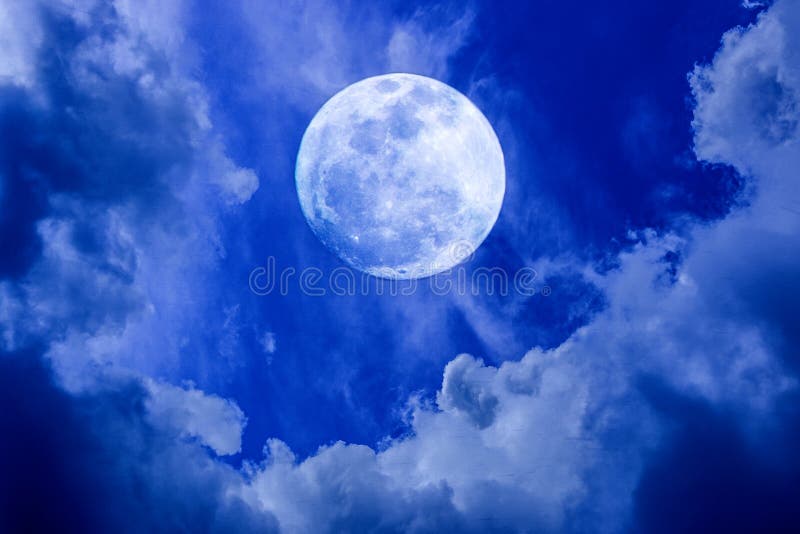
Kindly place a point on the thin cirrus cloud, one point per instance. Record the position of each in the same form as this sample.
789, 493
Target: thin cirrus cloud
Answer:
577, 437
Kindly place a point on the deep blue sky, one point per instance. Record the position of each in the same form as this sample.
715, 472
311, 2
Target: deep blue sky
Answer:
147, 154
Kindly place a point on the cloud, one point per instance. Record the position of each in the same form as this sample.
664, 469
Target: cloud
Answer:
738, 467
337, 44
417, 46
465, 389
344, 488
269, 342
756, 73
510, 459
20, 34
749, 4
96, 463
216, 422
112, 176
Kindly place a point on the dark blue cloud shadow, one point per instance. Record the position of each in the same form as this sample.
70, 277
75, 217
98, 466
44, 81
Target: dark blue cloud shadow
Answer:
710, 475
95, 464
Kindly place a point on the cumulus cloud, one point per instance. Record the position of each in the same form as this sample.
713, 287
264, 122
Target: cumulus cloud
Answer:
216, 422
120, 178
466, 389
343, 488
507, 460
756, 73
113, 176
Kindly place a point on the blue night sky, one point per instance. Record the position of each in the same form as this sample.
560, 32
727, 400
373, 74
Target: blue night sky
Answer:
648, 383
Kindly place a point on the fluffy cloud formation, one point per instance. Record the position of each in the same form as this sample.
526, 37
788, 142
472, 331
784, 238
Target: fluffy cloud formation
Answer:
112, 175
756, 73
216, 422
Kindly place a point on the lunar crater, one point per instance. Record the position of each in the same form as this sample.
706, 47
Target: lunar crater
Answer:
408, 166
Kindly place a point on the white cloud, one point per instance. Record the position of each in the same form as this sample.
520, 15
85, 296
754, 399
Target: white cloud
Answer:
269, 343
20, 35
216, 422
343, 488
141, 267
414, 48
240, 184
110, 290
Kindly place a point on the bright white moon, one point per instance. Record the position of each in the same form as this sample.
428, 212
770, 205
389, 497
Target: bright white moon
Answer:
401, 176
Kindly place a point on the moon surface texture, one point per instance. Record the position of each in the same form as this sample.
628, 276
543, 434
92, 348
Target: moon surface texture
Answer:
401, 176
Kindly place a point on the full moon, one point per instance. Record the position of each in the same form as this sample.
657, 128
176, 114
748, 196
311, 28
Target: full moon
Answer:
401, 176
